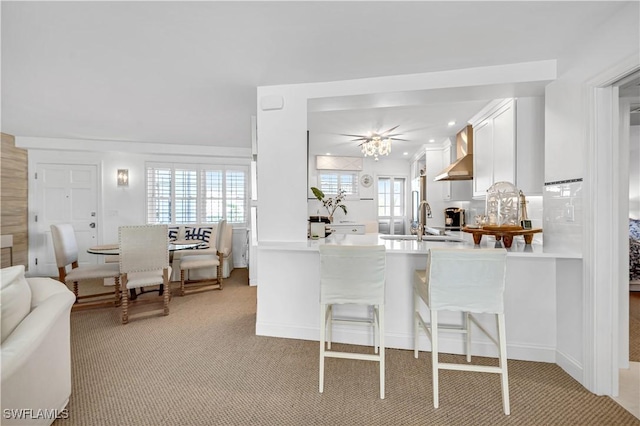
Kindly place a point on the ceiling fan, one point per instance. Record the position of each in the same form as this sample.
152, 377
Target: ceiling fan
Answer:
374, 143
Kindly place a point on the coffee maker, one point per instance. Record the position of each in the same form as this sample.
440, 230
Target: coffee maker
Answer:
454, 218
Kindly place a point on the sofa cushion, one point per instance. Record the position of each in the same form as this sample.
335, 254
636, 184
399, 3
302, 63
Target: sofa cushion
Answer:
202, 233
15, 299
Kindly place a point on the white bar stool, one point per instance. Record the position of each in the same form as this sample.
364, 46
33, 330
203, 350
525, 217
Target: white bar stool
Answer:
352, 275
468, 281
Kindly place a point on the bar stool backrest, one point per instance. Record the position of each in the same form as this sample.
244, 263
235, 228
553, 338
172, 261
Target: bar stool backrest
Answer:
468, 280
352, 274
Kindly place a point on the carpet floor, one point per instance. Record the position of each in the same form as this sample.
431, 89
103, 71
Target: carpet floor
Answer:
204, 365
634, 326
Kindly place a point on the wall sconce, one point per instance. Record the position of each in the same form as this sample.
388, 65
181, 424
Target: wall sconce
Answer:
123, 177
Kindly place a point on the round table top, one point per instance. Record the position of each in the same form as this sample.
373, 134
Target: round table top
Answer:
112, 249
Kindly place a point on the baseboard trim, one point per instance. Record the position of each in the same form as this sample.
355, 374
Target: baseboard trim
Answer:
364, 336
571, 366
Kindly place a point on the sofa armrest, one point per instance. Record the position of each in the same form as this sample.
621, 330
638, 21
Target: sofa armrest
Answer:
43, 288
27, 337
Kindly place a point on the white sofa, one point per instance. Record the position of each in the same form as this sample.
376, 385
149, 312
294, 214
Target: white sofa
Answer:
182, 232
35, 348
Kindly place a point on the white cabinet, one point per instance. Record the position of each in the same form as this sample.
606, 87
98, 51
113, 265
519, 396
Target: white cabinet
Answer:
509, 145
482, 157
347, 228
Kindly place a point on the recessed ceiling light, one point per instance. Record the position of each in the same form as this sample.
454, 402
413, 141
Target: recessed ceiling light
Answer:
451, 123
328, 153
405, 153
432, 140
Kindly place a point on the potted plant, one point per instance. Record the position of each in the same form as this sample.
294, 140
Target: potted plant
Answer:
331, 203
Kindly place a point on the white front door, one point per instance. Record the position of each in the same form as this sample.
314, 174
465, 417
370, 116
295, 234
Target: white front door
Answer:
65, 193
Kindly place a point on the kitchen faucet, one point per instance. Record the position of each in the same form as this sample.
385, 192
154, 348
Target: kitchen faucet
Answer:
421, 225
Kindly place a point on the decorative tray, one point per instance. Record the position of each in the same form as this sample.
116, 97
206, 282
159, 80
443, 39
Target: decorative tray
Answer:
504, 233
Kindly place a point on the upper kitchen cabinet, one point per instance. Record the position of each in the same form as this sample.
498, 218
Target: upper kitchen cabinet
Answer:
509, 145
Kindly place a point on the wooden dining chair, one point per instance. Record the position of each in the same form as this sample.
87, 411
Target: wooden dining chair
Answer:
144, 262
66, 252
203, 261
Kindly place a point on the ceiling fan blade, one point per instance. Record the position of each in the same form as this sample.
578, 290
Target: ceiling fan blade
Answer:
398, 139
390, 130
354, 136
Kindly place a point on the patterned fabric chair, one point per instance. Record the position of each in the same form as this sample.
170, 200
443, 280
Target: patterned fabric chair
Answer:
214, 243
203, 261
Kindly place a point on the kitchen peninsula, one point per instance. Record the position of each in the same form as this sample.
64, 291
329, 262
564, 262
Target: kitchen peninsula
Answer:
288, 298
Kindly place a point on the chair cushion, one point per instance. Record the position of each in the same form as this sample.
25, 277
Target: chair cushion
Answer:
420, 284
15, 299
199, 261
145, 279
87, 272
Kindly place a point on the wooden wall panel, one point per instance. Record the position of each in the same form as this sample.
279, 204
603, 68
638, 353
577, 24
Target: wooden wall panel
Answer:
14, 200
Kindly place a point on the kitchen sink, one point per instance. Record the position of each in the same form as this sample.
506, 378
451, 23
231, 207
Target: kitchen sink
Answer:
424, 238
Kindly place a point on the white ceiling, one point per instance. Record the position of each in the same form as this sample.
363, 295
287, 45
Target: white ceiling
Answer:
187, 72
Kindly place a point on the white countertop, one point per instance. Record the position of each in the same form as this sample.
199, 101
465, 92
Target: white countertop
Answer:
517, 249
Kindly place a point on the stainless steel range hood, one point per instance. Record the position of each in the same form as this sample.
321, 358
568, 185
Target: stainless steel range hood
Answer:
462, 168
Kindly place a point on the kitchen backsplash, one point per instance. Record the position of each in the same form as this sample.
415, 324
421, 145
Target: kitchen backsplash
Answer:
563, 216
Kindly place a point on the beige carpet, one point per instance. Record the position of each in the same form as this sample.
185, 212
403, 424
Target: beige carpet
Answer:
634, 326
204, 365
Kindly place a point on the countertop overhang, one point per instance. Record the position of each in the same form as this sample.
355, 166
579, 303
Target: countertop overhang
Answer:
518, 248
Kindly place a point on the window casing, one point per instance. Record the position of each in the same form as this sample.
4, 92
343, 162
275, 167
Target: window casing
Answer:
196, 193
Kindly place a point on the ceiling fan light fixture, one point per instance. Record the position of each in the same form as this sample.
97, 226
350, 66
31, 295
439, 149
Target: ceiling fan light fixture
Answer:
376, 146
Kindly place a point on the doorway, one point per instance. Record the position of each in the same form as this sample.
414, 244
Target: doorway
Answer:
629, 310
391, 205
65, 193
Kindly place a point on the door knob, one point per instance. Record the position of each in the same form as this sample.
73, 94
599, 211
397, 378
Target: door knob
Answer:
92, 225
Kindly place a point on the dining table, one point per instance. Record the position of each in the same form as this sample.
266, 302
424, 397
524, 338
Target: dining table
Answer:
174, 245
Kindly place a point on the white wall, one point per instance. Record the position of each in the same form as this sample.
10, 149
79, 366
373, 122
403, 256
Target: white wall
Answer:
634, 172
571, 126
566, 115
567, 120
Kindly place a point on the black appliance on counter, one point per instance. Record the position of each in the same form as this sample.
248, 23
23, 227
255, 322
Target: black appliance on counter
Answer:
454, 218
317, 220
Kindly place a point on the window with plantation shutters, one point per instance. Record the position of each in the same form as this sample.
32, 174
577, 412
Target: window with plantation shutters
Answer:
190, 193
331, 182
